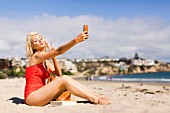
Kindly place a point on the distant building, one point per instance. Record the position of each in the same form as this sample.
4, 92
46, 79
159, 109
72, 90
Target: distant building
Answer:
148, 62
16, 61
92, 60
85, 60
105, 59
137, 62
136, 56
95, 59
24, 61
67, 65
143, 62
78, 60
4, 63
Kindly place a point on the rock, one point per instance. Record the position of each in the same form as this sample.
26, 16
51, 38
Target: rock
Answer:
106, 71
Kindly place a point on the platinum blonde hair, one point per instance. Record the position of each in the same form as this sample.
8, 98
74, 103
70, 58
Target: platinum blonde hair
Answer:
29, 49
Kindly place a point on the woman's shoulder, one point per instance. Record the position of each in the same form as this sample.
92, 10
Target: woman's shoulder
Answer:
32, 60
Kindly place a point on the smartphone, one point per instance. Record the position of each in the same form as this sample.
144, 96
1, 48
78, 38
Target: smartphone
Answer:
85, 28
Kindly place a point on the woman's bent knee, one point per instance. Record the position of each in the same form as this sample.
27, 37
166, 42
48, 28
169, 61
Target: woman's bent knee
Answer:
65, 79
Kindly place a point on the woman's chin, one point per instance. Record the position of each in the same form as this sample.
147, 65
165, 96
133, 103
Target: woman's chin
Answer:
42, 48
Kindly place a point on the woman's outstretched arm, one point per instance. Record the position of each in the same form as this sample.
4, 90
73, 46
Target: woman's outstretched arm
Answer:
41, 56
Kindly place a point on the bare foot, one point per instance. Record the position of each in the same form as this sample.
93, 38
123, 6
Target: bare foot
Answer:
101, 100
102, 97
104, 101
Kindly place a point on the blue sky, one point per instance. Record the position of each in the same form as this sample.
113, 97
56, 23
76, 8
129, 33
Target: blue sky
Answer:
118, 28
105, 8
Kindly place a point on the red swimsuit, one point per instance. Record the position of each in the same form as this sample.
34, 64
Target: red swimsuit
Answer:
35, 78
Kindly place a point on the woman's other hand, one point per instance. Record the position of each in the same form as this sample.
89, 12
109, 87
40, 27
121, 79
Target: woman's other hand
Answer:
51, 48
81, 37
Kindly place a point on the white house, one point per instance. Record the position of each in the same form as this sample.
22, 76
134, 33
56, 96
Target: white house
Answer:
145, 62
67, 65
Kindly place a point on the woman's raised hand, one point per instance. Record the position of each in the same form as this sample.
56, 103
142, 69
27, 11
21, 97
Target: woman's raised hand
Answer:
81, 37
51, 48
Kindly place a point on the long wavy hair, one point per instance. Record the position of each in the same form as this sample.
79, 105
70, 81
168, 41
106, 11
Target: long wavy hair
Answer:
29, 49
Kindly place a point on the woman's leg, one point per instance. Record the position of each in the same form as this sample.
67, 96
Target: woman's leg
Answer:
45, 94
84, 89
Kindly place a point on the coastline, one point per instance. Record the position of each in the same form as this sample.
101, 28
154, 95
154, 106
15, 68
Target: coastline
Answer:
126, 97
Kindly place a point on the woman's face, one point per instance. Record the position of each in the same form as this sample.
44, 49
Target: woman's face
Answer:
38, 42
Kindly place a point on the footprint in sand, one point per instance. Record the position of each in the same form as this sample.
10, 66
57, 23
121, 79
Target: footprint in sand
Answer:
165, 88
124, 87
145, 91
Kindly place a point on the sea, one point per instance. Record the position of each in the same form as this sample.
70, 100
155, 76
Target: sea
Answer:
162, 77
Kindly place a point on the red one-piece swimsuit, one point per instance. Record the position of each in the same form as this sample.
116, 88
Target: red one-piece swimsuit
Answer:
35, 78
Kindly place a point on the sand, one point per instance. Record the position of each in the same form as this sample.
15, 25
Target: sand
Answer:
125, 97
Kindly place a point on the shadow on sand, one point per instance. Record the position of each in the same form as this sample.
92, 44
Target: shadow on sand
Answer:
85, 102
17, 100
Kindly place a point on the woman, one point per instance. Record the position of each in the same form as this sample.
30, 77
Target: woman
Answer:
38, 69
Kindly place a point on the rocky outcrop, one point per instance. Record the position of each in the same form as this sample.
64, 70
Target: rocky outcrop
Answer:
108, 68
105, 71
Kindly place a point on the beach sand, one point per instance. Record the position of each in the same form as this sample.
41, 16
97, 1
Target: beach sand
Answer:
125, 98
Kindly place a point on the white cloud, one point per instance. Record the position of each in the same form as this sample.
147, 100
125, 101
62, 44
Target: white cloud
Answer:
4, 45
117, 38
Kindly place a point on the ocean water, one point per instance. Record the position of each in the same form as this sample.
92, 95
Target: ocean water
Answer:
146, 77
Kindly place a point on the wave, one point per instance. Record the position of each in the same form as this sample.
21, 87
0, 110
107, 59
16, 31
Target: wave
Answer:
135, 78
140, 80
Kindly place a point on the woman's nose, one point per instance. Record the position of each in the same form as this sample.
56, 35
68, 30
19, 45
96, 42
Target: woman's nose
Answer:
40, 40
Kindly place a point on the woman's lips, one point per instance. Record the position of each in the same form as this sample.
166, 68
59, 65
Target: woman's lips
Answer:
41, 43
